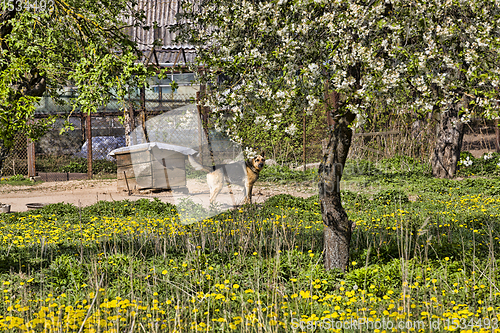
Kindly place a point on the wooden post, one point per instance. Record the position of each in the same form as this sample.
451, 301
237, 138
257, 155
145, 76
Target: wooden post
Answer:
304, 141
203, 113
200, 127
497, 137
31, 159
88, 128
142, 115
82, 127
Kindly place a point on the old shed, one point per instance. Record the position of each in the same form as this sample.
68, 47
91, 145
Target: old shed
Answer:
152, 165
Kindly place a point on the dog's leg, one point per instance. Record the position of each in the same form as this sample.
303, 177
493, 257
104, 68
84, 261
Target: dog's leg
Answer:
215, 182
248, 192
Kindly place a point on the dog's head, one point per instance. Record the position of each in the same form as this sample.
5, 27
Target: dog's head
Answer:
258, 162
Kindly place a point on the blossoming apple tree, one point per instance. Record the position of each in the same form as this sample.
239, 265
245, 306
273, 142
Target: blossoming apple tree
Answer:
282, 57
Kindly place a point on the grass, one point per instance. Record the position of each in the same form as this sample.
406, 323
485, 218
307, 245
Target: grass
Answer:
135, 267
17, 180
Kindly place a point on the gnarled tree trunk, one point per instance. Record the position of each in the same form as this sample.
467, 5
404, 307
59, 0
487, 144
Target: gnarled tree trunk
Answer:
449, 144
338, 228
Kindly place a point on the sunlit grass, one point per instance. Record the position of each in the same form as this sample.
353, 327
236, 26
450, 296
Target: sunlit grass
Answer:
256, 269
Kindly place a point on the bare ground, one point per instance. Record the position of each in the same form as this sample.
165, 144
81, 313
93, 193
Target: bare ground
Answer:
88, 192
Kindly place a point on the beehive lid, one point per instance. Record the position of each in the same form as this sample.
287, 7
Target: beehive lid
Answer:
148, 146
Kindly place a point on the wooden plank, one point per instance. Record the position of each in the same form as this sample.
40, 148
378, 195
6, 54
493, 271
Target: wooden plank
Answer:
135, 183
171, 174
129, 172
172, 182
171, 162
134, 157
132, 184
148, 182
145, 156
143, 169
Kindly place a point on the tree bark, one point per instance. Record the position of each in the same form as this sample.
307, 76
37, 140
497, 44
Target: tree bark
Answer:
449, 144
4, 152
129, 125
338, 228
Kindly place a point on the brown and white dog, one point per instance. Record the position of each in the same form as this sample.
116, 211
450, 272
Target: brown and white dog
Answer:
244, 173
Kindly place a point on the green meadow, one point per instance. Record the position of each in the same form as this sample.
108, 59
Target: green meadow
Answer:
423, 258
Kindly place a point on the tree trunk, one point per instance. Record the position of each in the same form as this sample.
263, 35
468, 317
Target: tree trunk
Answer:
449, 144
338, 228
129, 125
4, 152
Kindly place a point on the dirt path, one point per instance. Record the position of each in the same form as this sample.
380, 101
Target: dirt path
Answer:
88, 192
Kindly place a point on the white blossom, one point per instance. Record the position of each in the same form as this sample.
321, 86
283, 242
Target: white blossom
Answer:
467, 162
291, 129
488, 156
415, 59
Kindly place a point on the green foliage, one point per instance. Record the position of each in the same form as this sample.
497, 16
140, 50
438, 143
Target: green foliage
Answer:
124, 208
360, 168
354, 199
189, 208
391, 197
60, 209
191, 173
379, 278
117, 265
17, 178
72, 43
66, 274
285, 201
487, 165
67, 163
98, 166
404, 165
75, 167
260, 253
277, 173
141, 207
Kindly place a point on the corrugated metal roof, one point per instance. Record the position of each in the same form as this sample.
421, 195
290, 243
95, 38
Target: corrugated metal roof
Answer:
163, 12
170, 55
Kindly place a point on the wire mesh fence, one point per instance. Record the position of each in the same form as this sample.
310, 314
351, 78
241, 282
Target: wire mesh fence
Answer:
69, 152
417, 139
174, 119
16, 162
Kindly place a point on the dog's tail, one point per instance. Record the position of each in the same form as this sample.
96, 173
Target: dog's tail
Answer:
197, 166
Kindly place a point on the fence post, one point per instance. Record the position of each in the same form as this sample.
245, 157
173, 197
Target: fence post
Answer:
304, 142
88, 128
31, 158
203, 113
142, 115
497, 137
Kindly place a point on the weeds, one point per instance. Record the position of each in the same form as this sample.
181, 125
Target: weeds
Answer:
134, 266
